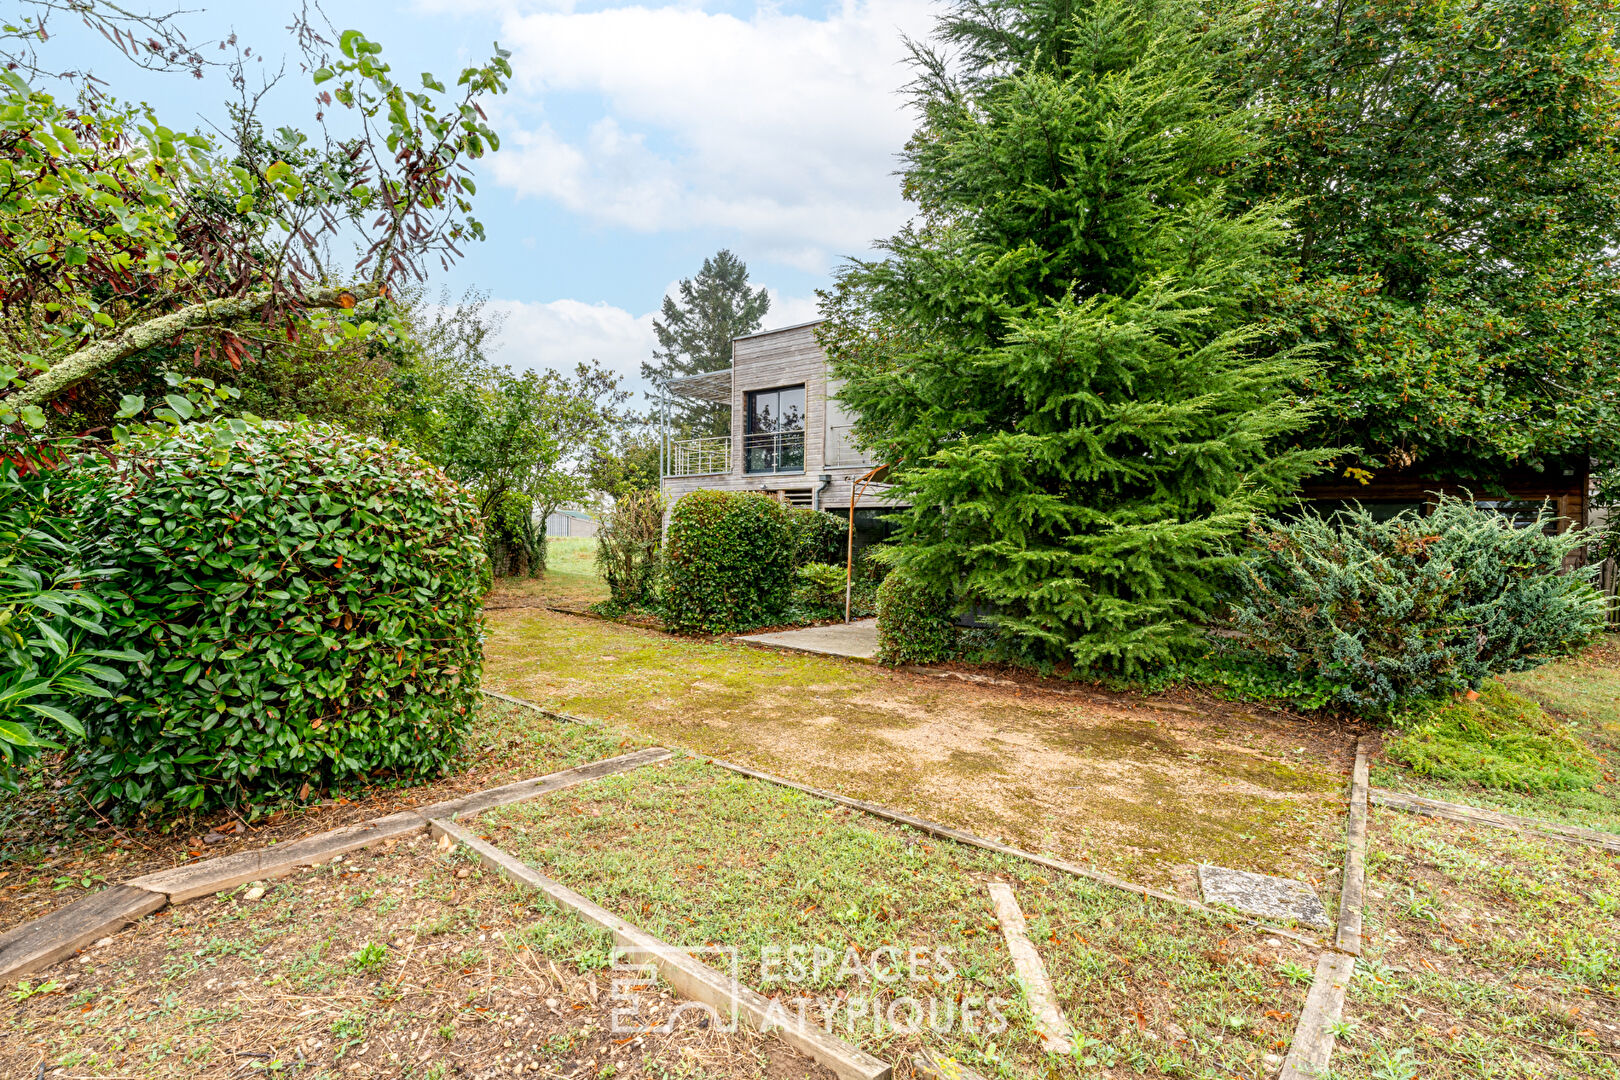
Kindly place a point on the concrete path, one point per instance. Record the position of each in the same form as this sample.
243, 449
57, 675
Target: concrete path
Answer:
857, 639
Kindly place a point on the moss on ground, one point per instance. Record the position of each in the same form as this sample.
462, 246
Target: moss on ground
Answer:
1128, 790
702, 857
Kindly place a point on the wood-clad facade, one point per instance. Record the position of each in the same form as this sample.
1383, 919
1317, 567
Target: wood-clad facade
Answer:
1563, 487
830, 468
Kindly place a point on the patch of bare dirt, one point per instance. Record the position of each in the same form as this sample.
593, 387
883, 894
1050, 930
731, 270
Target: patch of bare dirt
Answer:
398, 963
55, 848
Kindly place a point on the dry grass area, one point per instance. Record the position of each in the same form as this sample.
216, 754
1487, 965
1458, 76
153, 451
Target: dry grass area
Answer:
1488, 954
1142, 786
408, 962
52, 850
887, 936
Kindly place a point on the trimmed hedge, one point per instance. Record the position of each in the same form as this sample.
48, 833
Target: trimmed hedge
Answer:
1411, 607
914, 623
818, 537
728, 562
310, 611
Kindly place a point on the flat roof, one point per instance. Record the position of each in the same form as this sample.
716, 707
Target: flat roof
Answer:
778, 330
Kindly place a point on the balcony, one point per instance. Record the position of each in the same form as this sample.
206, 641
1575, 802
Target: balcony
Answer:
698, 457
773, 452
842, 453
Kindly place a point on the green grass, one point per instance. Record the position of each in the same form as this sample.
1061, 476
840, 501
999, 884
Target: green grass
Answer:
411, 963
1135, 791
1558, 761
698, 856
1487, 954
1503, 740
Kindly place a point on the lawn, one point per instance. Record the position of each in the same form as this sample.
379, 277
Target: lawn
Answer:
879, 929
1145, 787
405, 963
1581, 697
1488, 954
570, 579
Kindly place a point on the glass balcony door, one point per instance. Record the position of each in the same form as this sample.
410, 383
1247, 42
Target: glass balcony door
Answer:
773, 438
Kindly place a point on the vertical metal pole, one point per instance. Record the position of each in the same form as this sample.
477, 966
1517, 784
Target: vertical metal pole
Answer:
849, 554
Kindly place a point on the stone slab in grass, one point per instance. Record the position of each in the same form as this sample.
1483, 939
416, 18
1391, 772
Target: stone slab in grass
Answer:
1262, 895
213, 875
38, 944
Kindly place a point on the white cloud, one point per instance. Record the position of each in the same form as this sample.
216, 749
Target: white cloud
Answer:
780, 128
561, 333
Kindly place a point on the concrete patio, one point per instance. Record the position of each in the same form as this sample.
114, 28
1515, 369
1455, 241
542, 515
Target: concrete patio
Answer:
856, 640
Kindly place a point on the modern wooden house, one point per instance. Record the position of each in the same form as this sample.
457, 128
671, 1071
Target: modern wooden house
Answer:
788, 438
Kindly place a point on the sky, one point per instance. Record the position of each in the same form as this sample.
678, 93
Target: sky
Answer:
637, 139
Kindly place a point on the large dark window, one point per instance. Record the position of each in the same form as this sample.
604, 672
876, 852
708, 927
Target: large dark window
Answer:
773, 440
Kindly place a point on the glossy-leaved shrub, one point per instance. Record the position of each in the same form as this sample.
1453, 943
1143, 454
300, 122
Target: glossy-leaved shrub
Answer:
1413, 606
818, 537
309, 611
728, 562
914, 624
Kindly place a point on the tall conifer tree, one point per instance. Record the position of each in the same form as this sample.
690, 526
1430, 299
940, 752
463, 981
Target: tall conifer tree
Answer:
695, 333
1055, 352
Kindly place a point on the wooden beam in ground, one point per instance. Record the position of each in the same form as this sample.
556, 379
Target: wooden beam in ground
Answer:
207, 876
1057, 1037
510, 700
1474, 815
542, 785
690, 977
1312, 1047
1352, 888
42, 942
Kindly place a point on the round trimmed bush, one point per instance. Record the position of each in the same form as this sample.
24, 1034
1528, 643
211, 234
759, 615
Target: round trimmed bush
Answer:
914, 623
309, 608
728, 562
819, 537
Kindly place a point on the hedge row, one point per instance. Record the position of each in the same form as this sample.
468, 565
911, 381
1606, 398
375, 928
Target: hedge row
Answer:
309, 611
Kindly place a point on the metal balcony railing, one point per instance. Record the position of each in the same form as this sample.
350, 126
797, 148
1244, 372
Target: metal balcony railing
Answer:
774, 452
699, 457
842, 451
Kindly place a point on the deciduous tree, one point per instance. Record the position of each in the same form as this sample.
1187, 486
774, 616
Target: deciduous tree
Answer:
1454, 173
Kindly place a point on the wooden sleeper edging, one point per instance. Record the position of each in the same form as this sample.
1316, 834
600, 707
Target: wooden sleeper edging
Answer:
43, 941
1474, 815
507, 794
1312, 1045
63, 932
1056, 1036
688, 976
